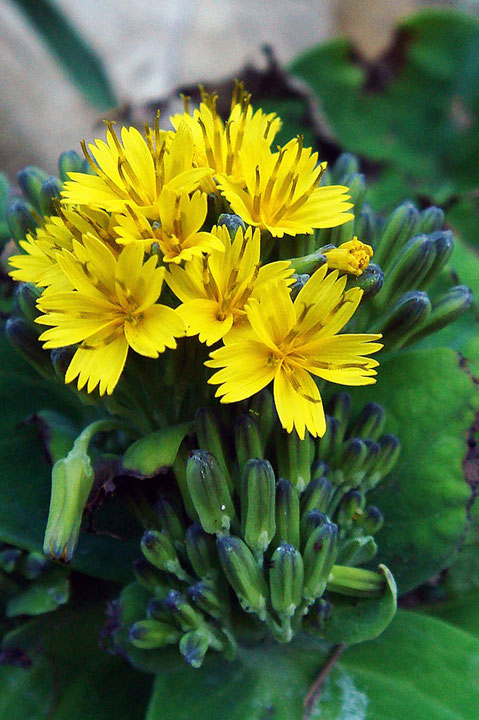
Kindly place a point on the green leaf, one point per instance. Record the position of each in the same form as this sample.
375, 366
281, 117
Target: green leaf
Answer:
430, 404
70, 677
25, 476
149, 455
72, 51
355, 620
420, 668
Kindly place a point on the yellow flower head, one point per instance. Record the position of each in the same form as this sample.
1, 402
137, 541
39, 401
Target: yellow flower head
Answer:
38, 264
351, 257
282, 193
178, 231
289, 342
216, 144
214, 291
133, 171
112, 306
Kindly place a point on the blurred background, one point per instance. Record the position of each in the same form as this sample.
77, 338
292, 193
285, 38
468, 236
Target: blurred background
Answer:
147, 49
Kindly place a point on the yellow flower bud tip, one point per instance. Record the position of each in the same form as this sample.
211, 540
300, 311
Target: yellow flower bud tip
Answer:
351, 257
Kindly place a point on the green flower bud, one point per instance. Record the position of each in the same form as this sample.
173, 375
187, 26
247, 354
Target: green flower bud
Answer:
26, 296
443, 243
317, 495
430, 220
209, 436
204, 595
286, 579
413, 264
357, 551
446, 308
159, 551
354, 456
170, 522
339, 407
201, 550
310, 522
60, 359
24, 339
50, 192
346, 164
263, 411
319, 557
193, 646
398, 229
287, 513
30, 181
232, 223
20, 219
156, 609
247, 439
331, 440
350, 508
365, 226
355, 582
150, 578
370, 282
294, 458
406, 315
372, 520
186, 615
370, 422
258, 504
209, 492
389, 451
356, 183
149, 634
69, 161
243, 574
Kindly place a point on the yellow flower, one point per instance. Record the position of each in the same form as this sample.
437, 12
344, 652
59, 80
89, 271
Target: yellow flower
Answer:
216, 144
178, 232
134, 171
38, 264
289, 342
351, 257
112, 306
214, 291
282, 193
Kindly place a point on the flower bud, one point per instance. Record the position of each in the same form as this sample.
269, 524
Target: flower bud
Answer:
201, 550
406, 315
331, 440
20, 219
26, 296
370, 282
365, 225
49, 193
446, 308
23, 337
149, 634
316, 496
257, 504
339, 407
357, 551
319, 557
156, 609
232, 223
263, 411
350, 508
243, 574
69, 161
209, 436
400, 226
310, 521
372, 520
294, 457
170, 522
150, 578
247, 439
209, 492
355, 582
60, 359
286, 579
159, 551
370, 422
287, 513
186, 615
346, 164
389, 451
350, 257
30, 181
204, 596
412, 265
193, 646
443, 241
430, 220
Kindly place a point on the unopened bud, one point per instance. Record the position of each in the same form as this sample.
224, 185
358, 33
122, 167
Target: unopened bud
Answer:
27, 295
50, 192
372, 520
243, 574
69, 161
346, 164
170, 521
149, 634
209, 434
399, 228
150, 578
350, 257
24, 339
319, 557
412, 265
286, 579
370, 422
331, 440
257, 504
209, 492
201, 549
316, 496
357, 551
232, 223
446, 308
30, 180
287, 513
247, 439
370, 282
263, 411
186, 615
159, 551
365, 225
310, 521
203, 595
20, 219
430, 220
407, 314
350, 508
389, 451
355, 582
156, 609
339, 407
194, 646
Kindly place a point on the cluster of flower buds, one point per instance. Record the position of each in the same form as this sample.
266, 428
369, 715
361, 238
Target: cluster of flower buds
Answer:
30, 584
411, 249
259, 547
